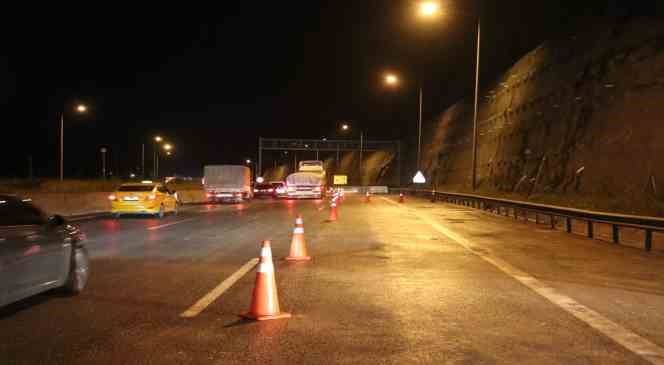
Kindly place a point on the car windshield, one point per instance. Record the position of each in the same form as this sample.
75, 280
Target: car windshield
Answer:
136, 188
263, 186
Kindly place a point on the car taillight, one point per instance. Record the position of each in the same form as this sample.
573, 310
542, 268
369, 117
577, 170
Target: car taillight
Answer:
209, 195
270, 190
112, 197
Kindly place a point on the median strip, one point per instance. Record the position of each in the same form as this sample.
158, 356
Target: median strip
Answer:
169, 224
215, 293
628, 339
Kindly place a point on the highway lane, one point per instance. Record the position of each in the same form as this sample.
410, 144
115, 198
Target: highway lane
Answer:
385, 286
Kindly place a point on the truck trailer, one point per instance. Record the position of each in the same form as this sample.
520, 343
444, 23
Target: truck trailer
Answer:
227, 183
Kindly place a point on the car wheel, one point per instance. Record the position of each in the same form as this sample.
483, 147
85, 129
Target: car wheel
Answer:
160, 215
79, 271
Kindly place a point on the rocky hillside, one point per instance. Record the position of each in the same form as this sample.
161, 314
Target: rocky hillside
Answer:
577, 121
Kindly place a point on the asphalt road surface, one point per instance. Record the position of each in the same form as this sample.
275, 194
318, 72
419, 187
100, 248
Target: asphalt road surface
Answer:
389, 283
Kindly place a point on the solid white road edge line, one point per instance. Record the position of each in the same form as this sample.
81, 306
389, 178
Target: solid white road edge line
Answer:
169, 224
628, 339
210, 297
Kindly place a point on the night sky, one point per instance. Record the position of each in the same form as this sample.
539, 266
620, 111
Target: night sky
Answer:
212, 79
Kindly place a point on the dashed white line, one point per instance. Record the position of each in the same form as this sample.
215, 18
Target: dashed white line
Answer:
170, 224
210, 297
628, 339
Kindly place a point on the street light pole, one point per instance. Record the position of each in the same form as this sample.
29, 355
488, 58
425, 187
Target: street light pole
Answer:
62, 143
143, 161
477, 86
419, 132
361, 148
103, 162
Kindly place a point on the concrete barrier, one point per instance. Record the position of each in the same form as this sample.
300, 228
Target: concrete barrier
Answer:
68, 204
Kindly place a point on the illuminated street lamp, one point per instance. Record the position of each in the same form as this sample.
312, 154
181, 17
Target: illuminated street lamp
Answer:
168, 147
79, 109
247, 161
427, 10
158, 139
391, 79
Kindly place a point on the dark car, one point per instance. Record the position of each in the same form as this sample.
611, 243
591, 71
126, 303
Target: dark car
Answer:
264, 190
38, 252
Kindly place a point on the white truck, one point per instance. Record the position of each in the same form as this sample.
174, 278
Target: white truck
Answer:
227, 183
309, 182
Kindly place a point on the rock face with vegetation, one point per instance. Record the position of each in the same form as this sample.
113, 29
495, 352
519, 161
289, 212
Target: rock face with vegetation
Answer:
577, 121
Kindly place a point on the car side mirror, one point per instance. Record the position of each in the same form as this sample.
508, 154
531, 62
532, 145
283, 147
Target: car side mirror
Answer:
56, 220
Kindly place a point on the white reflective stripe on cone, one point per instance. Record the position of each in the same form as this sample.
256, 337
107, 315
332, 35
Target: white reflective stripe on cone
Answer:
266, 252
298, 230
265, 267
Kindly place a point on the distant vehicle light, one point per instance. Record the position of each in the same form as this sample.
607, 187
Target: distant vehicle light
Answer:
146, 182
281, 190
208, 195
132, 175
270, 190
112, 197
260, 180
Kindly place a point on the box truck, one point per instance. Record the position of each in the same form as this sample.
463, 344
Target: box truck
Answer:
227, 183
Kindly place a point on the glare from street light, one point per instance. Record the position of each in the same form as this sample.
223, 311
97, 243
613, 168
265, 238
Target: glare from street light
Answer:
168, 153
248, 161
391, 79
168, 147
81, 108
158, 139
429, 8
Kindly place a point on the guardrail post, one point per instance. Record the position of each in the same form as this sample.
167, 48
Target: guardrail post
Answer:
552, 221
536, 218
590, 231
568, 224
516, 213
615, 233
648, 240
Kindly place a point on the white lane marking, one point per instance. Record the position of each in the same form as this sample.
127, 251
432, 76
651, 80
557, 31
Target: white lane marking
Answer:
169, 224
628, 339
210, 297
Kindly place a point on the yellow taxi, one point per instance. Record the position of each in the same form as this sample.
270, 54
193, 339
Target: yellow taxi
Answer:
145, 197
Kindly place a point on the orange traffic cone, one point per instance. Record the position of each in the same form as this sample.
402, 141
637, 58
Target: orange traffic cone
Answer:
333, 212
401, 199
265, 301
298, 248
367, 197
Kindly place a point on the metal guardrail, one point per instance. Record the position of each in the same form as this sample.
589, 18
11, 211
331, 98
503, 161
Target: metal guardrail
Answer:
553, 213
